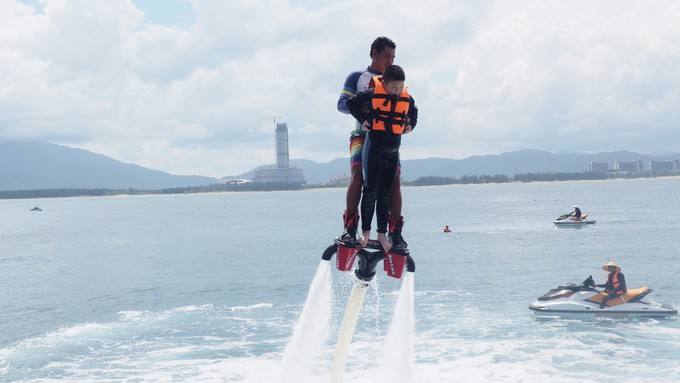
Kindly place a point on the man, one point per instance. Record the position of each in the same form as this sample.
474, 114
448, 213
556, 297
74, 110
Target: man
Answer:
382, 55
576, 213
616, 283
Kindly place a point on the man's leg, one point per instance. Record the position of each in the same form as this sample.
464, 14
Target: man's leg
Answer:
607, 299
356, 182
351, 216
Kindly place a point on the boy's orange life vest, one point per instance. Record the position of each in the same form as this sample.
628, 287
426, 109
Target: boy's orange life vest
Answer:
388, 110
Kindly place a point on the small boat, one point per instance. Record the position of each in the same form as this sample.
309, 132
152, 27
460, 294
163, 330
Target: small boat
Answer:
584, 299
35, 208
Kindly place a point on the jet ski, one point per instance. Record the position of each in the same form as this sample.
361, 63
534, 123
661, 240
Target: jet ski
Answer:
584, 299
569, 220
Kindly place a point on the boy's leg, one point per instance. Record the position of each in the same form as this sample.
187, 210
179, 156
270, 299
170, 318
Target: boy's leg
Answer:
396, 220
395, 199
351, 215
387, 176
371, 163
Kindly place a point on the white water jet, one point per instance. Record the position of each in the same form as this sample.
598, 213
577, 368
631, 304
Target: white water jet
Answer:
397, 363
312, 326
349, 323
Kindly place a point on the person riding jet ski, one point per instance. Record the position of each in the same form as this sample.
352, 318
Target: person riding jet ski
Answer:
615, 285
574, 218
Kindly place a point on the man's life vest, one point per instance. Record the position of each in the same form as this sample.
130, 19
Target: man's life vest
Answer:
388, 110
614, 281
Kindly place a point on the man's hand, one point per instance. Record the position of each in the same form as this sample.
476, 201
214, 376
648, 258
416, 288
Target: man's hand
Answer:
408, 129
366, 126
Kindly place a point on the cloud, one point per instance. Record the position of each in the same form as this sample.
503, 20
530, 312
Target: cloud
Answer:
487, 76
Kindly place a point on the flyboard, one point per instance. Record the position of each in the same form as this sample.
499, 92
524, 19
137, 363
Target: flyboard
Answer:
368, 257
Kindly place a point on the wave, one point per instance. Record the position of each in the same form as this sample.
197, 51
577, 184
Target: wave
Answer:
251, 307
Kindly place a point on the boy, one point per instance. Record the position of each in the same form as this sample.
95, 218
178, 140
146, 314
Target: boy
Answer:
386, 112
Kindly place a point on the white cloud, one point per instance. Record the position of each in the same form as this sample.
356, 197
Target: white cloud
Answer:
488, 77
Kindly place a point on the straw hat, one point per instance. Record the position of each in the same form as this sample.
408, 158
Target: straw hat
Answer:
605, 267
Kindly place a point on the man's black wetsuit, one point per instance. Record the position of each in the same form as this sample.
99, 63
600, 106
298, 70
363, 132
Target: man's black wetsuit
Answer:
380, 160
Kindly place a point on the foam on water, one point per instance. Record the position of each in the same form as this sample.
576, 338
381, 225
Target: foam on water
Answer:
162, 346
251, 307
153, 346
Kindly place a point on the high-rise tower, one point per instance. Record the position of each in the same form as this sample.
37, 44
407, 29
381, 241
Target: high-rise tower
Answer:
281, 146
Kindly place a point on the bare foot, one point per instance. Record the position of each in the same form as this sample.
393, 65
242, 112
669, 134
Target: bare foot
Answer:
386, 244
365, 236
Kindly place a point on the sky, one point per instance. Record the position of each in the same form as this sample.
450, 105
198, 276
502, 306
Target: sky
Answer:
186, 86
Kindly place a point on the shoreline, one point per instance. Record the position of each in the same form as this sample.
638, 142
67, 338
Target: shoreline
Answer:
96, 193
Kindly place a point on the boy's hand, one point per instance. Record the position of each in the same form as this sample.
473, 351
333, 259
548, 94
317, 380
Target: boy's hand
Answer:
366, 126
408, 129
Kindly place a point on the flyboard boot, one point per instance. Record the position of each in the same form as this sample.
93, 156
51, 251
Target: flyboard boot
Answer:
347, 243
394, 235
350, 223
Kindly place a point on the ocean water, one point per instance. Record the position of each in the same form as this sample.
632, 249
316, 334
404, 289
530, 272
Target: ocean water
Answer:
207, 287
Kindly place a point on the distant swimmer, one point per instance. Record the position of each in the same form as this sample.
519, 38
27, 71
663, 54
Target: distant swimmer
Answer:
446, 229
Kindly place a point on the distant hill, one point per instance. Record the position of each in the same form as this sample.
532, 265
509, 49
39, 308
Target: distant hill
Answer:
40, 165
521, 161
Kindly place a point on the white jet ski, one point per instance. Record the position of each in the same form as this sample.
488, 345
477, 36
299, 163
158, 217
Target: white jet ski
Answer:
584, 299
569, 220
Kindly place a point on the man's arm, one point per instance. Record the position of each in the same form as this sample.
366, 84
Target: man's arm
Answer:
348, 90
605, 285
359, 105
412, 113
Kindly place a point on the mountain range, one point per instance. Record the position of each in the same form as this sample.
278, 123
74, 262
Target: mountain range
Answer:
511, 163
40, 165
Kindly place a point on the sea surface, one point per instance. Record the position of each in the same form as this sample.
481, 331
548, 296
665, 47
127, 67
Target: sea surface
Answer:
207, 287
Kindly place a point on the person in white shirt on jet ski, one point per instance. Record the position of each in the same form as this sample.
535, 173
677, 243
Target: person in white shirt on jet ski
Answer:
616, 283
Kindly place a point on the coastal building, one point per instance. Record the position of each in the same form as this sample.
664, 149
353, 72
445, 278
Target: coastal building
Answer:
662, 166
237, 181
598, 167
629, 166
281, 173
